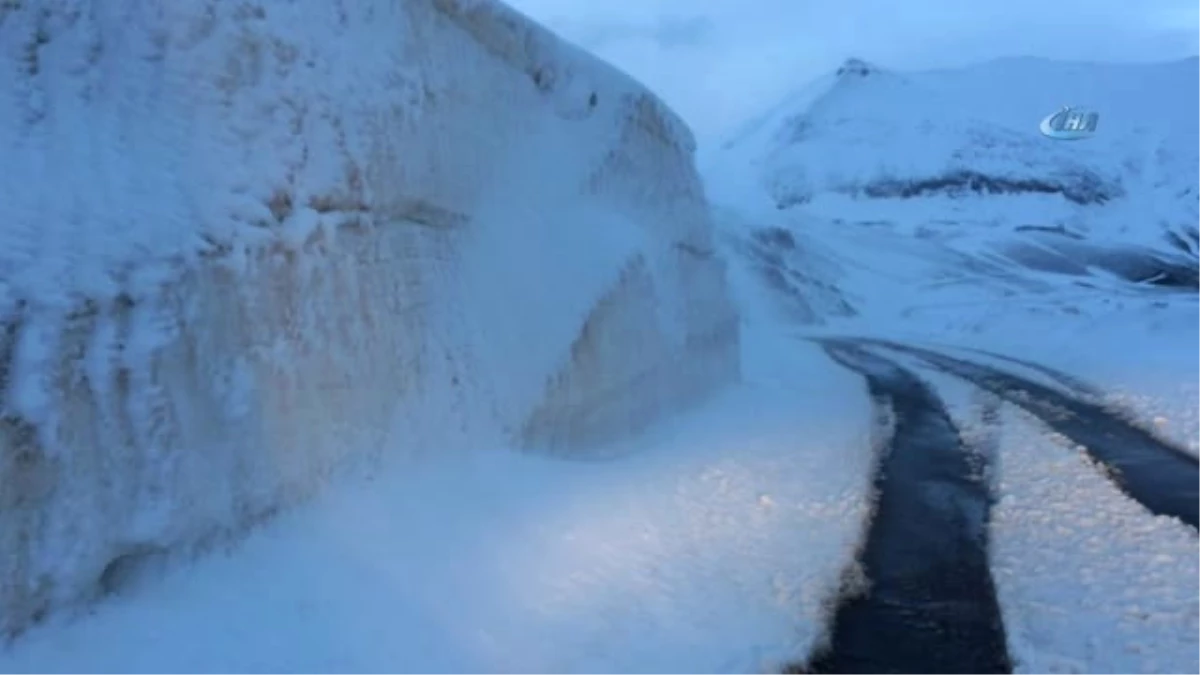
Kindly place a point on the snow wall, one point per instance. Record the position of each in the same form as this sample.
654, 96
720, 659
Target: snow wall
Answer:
244, 244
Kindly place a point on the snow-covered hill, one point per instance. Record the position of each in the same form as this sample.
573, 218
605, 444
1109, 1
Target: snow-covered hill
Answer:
952, 163
928, 208
242, 244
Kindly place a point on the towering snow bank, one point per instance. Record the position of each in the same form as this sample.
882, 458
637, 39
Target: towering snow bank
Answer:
243, 242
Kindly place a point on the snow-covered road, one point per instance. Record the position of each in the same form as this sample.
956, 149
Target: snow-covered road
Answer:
930, 605
1132, 594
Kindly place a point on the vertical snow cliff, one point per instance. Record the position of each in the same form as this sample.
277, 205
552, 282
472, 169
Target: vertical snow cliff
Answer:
242, 243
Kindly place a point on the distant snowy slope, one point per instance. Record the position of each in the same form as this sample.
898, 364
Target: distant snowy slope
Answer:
946, 172
868, 125
242, 243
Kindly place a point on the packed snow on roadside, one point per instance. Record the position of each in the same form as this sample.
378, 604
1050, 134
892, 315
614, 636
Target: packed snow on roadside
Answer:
286, 362
713, 544
246, 245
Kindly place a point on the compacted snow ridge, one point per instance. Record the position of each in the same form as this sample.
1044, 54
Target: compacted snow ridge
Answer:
713, 543
243, 245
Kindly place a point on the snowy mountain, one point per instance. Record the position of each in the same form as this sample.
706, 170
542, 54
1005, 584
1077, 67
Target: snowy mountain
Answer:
945, 174
244, 245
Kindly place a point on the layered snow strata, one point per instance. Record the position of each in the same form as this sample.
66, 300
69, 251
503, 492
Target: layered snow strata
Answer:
242, 243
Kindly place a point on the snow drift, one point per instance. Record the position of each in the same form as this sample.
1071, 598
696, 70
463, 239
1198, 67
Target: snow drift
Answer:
243, 243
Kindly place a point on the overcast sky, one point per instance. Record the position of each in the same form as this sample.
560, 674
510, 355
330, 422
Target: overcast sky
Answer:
719, 61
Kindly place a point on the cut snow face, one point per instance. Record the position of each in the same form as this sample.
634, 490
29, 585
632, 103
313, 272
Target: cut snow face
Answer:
246, 245
715, 543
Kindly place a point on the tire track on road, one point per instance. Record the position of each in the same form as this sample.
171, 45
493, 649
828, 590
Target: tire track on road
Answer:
930, 605
1161, 477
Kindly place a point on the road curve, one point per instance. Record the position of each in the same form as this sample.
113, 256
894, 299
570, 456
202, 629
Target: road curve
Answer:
1161, 477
